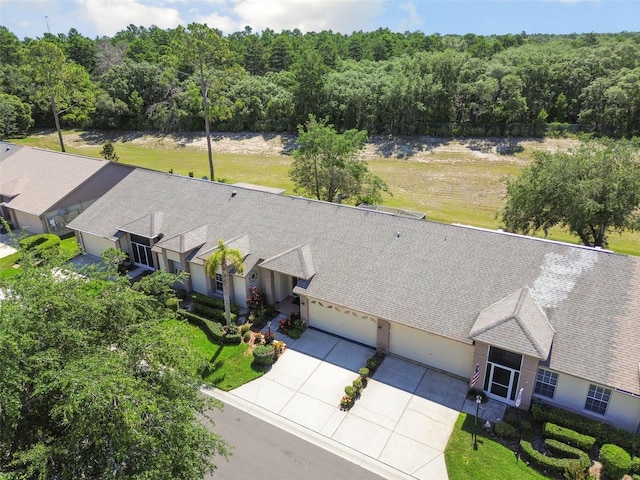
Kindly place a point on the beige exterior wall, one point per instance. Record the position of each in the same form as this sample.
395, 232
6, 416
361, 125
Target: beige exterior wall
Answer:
31, 223
283, 286
94, 245
623, 410
343, 322
439, 352
199, 279
527, 380
240, 290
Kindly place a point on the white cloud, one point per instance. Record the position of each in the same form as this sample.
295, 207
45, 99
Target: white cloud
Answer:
307, 15
115, 15
412, 20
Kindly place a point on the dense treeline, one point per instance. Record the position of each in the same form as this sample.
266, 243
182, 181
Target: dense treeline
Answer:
384, 82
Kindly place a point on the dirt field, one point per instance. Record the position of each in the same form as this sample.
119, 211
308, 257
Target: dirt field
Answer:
420, 148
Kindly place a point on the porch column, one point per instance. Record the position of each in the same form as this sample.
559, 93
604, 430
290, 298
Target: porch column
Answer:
269, 288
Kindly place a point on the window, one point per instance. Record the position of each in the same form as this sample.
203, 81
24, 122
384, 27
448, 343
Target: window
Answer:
597, 399
218, 282
546, 383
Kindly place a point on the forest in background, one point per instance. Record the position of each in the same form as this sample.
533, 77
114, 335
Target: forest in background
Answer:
383, 82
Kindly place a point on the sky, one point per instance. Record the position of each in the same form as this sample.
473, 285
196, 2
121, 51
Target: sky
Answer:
96, 18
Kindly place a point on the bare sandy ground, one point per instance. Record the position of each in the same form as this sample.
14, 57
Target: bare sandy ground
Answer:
416, 148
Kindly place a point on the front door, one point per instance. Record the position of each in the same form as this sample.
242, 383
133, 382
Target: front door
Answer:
502, 374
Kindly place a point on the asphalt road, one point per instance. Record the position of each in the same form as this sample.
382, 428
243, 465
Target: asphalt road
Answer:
263, 451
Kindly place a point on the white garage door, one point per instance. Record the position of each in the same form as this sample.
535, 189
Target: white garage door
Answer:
96, 245
343, 322
442, 353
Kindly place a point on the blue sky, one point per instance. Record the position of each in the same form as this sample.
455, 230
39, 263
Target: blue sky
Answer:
29, 18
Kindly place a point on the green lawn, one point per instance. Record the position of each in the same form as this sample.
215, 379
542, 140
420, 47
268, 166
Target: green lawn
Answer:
229, 366
68, 246
490, 461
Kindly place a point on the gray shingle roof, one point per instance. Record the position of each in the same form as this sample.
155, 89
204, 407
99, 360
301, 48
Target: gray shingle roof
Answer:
40, 178
515, 323
185, 241
431, 276
296, 262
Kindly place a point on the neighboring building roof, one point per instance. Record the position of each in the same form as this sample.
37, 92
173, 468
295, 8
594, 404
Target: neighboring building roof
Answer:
37, 179
430, 276
515, 323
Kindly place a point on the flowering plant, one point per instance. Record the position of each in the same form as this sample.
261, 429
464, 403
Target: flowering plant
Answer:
256, 298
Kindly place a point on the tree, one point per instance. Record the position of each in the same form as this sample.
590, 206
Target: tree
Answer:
96, 380
588, 191
205, 50
325, 165
64, 86
15, 116
109, 152
224, 257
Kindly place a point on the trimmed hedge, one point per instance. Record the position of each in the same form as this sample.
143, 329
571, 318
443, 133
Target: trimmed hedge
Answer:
568, 436
213, 302
553, 465
213, 313
41, 242
616, 462
602, 432
561, 449
635, 465
213, 330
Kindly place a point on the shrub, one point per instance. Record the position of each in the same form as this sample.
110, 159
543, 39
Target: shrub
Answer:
244, 328
616, 462
346, 402
563, 450
364, 372
525, 426
294, 333
172, 303
374, 362
351, 391
213, 313
40, 243
181, 293
357, 384
212, 330
568, 436
217, 303
246, 336
556, 466
258, 339
264, 355
232, 329
256, 298
292, 322
512, 419
278, 347
602, 432
269, 337
635, 465
505, 430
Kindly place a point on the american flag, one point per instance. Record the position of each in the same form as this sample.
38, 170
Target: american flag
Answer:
476, 375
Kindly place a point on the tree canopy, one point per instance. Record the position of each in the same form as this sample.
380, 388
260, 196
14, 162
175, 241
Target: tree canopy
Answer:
384, 82
224, 257
325, 165
590, 191
95, 381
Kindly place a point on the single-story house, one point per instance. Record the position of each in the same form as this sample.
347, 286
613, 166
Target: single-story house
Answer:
559, 322
41, 190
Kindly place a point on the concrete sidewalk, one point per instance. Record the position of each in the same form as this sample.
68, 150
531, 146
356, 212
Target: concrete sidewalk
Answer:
400, 426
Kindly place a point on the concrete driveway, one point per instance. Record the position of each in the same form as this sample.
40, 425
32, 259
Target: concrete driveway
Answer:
400, 426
